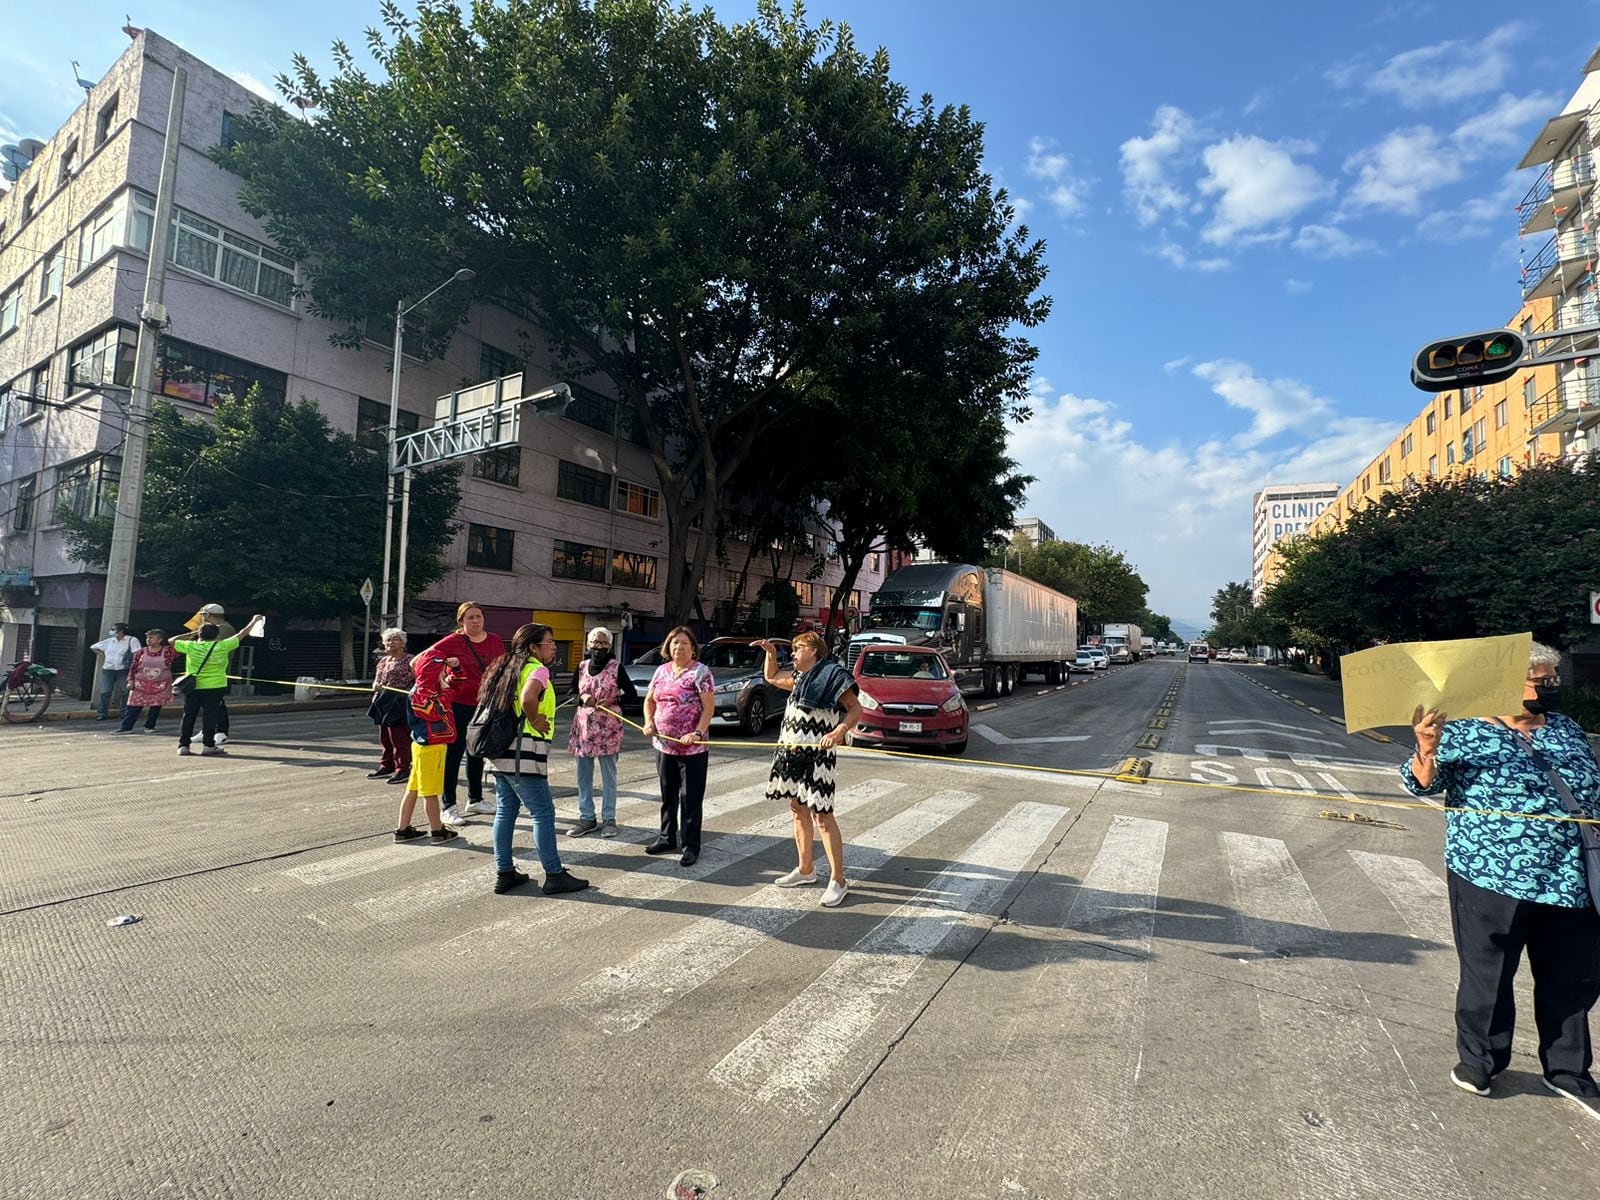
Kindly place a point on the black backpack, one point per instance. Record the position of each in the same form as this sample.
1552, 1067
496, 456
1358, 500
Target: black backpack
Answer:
492, 731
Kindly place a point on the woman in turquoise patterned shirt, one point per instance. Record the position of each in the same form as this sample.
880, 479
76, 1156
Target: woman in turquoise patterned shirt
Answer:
1517, 884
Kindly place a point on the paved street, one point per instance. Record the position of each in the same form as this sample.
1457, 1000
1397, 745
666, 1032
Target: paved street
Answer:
1042, 985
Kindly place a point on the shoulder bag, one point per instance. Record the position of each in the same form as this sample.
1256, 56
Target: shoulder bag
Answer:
1588, 835
184, 684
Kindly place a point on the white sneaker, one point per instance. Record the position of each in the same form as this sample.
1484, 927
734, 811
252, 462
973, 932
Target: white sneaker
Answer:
452, 818
221, 739
796, 878
835, 893
471, 809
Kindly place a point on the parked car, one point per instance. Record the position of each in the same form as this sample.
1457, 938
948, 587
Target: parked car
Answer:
909, 697
1083, 664
742, 694
641, 670
1102, 659
1199, 652
1238, 654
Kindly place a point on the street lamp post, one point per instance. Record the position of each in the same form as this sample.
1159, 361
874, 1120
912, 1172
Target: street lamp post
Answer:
401, 308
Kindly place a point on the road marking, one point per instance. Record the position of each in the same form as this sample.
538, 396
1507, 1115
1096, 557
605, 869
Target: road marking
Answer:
1418, 895
1000, 739
1348, 1108
624, 997
791, 1060
1299, 737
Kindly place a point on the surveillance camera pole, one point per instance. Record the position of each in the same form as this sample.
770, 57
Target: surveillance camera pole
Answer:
152, 319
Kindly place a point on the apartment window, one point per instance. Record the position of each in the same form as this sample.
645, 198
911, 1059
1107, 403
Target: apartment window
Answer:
231, 123
1447, 406
574, 560
802, 591
69, 163
39, 391
1502, 416
855, 599
1433, 423
231, 260
10, 308
502, 465
201, 376
730, 587
142, 221
489, 546
1384, 473
632, 570
1466, 444
1407, 446
637, 499
50, 277
372, 423
582, 484
1477, 394
590, 408
105, 122
89, 488
1504, 467
1527, 326
1366, 483
107, 357
1433, 465
30, 203
1466, 400
1529, 395
1480, 434
22, 510
1449, 454
494, 363
874, 562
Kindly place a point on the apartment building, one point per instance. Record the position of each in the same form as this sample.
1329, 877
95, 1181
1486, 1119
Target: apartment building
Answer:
1281, 510
567, 527
1036, 531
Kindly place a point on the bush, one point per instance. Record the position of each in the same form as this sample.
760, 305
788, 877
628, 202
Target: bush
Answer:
1583, 706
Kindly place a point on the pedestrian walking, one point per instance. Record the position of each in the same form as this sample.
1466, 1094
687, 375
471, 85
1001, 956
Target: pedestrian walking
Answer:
678, 706
595, 736
113, 655
206, 665
519, 681
431, 724
391, 684
1517, 884
215, 616
472, 648
823, 708
149, 682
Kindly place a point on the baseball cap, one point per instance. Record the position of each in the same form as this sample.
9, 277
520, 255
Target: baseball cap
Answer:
214, 609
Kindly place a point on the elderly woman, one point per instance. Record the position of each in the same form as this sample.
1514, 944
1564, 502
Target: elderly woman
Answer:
596, 736
678, 706
1518, 884
391, 681
823, 708
149, 682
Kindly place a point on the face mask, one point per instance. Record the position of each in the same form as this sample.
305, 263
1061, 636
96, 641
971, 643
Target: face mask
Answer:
1549, 700
600, 655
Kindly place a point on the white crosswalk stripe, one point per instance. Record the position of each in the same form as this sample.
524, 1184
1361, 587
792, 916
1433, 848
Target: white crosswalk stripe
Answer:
801, 1050
626, 996
1418, 895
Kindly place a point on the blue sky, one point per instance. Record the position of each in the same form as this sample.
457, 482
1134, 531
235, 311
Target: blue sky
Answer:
1255, 213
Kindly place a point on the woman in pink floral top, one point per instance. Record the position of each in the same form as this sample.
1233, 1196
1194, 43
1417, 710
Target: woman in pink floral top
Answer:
390, 683
677, 712
599, 683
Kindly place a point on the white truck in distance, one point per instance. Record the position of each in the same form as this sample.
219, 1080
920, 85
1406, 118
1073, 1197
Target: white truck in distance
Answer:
1148, 648
1124, 643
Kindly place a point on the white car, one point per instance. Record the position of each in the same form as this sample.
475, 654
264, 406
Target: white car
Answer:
1238, 654
1083, 664
1102, 660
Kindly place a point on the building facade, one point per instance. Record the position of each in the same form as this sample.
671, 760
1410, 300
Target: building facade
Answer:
1281, 510
1036, 531
568, 527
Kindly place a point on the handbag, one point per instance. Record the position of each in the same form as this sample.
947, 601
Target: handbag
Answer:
184, 684
1588, 835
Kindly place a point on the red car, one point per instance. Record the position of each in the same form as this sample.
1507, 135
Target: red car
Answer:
908, 698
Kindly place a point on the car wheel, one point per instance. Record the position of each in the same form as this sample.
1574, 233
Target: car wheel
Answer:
956, 748
755, 715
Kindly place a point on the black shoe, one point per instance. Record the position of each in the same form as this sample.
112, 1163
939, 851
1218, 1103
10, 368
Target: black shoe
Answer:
409, 834
661, 846
444, 835
584, 827
563, 882
504, 881
1470, 1079
689, 857
378, 774
400, 777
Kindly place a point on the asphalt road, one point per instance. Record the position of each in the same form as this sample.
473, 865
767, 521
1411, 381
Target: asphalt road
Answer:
1044, 984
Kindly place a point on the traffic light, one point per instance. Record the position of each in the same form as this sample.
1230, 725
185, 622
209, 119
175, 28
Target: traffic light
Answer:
1469, 361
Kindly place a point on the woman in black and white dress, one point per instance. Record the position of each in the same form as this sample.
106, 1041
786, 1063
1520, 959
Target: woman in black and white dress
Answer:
823, 708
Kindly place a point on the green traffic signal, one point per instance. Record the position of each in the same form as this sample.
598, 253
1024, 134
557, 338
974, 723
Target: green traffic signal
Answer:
1471, 360
1499, 348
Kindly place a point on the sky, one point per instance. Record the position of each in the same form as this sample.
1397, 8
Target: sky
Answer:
1254, 214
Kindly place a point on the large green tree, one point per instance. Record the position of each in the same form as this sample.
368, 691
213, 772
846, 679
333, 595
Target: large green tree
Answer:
1099, 578
717, 219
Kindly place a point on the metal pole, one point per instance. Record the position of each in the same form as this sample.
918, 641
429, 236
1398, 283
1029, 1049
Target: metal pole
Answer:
366, 640
130, 488
393, 429
405, 533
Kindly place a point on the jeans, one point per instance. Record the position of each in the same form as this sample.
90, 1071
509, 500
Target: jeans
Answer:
532, 792
683, 792
608, 787
110, 683
130, 716
454, 753
198, 701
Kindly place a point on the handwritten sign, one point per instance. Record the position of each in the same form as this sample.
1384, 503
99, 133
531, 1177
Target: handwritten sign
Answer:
1468, 677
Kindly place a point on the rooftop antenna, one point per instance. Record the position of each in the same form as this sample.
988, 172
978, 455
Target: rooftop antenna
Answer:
86, 84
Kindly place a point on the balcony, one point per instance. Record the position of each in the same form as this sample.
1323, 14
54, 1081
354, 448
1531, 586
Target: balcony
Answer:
1572, 404
1555, 194
1542, 275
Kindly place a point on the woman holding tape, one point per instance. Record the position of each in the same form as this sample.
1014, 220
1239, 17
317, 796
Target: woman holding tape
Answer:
678, 706
1519, 884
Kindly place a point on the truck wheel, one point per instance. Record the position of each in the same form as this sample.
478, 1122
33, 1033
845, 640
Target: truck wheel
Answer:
1007, 680
991, 684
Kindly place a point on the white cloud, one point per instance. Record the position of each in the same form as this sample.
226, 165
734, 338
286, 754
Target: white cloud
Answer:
1447, 72
1067, 192
1478, 215
1297, 287
1147, 161
1502, 127
1173, 364
1329, 241
1021, 206
264, 90
1395, 174
1175, 255
1257, 183
1275, 405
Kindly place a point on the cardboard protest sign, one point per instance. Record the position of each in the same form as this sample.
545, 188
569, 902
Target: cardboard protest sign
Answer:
1467, 677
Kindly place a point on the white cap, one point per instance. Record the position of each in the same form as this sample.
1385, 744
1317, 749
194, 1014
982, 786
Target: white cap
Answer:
215, 610
599, 631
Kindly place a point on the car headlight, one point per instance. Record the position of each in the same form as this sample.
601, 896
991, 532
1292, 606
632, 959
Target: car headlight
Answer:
868, 702
954, 704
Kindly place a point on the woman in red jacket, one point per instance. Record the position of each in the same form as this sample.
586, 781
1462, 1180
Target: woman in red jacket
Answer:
469, 650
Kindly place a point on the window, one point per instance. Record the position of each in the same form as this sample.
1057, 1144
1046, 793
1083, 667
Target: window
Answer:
231, 260
1501, 416
141, 220
1447, 406
1366, 483
1433, 464
1529, 395
874, 562
50, 277
633, 570
1504, 467
730, 587
494, 362
1466, 400
1449, 454
230, 129
105, 122
372, 423
1527, 326
590, 408
1479, 433
22, 510
1407, 446
39, 389
574, 560
69, 164
502, 465
10, 308
1384, 473
107, 357
1477, 394
88, 488
488, 546
637, 499
1433, 423
582, 484
802, 591
188, 372
1466, 444
30, 203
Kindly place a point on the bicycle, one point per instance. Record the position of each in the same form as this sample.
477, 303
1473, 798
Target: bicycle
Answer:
28, 689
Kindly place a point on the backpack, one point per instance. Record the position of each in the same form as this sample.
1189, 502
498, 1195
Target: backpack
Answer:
492, 731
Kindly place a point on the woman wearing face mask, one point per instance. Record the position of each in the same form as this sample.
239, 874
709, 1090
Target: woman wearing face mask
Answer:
1519, 884
595, 736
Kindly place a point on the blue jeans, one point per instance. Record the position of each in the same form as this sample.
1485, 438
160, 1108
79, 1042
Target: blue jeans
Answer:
608, 787
532, 792
112, 682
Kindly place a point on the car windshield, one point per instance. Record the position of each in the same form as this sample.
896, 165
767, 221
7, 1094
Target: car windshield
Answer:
732, 656
650, 658
902, 664
903, 618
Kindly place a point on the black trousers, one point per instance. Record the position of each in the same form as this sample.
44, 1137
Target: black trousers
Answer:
683, 794
204, 703
454, 753
1563, 947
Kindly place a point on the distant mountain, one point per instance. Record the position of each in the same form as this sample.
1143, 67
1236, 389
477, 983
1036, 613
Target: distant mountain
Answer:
1188, 630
